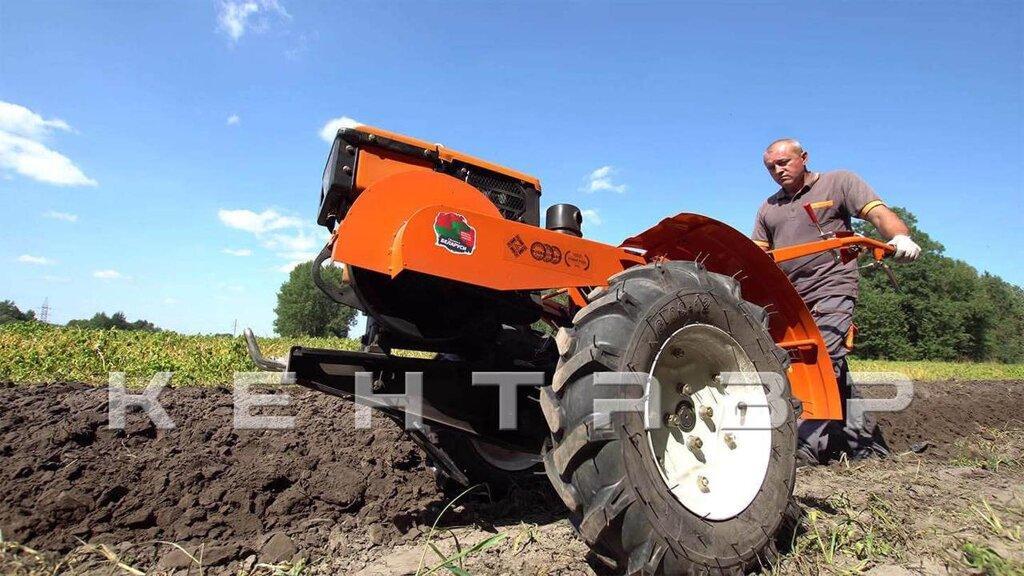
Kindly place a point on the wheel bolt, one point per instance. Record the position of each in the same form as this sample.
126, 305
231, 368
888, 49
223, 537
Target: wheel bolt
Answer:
672, 420
706, 412
703, 484
730, 440
694, 443
683, 389
717, 378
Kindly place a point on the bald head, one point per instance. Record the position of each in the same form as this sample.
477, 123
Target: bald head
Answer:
786, 161
790, 144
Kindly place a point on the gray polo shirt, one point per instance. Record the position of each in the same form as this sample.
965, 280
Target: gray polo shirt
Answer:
782, 221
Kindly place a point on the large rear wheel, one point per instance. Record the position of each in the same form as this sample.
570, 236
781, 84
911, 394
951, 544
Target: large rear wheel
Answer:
706, 492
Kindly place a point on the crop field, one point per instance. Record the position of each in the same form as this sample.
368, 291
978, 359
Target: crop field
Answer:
326, 498
35, 353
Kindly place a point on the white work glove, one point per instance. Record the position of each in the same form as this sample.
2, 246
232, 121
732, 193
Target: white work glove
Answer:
906, 249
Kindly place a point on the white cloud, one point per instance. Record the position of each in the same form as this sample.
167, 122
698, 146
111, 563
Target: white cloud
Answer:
296, 249
591, 217
38, 260
601, 179
237, 251
65, 216
233, 120
236, 17
109, 275
30, 158
330, 129
19, 120
22, 152
288, 237
257, 223
299, 242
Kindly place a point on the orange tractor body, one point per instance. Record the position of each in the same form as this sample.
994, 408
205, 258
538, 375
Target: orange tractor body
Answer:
398, 194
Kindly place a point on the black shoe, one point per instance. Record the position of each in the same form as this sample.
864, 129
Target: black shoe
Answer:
805, 456
867, 452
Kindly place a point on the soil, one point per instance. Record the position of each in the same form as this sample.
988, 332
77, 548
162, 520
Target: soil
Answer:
942, 412
360, 501
67, 477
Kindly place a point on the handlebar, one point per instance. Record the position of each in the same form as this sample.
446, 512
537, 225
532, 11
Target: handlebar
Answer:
850, 243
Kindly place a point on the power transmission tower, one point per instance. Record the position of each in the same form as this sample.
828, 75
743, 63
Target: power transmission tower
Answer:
44, 312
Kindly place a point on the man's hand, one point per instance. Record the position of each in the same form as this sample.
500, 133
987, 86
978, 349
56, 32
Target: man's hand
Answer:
906, 249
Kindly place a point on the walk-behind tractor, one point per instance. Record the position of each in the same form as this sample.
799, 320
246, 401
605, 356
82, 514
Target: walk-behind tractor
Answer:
445, 253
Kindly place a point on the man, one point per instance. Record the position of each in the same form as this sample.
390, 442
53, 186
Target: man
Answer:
828, 288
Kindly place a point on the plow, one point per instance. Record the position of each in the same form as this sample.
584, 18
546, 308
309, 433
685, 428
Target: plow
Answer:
446, 253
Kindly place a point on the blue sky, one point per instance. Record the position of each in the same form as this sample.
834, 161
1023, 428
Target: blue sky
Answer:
164, 158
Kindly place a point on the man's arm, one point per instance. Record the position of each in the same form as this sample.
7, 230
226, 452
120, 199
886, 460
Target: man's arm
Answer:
894, 231
860, 200
886, 222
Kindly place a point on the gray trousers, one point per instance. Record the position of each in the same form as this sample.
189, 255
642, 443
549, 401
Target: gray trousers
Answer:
826, 440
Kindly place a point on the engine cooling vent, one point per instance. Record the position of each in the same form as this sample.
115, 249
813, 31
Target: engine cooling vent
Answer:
508, 195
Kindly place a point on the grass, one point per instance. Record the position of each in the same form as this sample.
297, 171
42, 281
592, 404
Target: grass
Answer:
838, 537
996, 526
928, 370
903, 512
38, 353
986, 561
455, 561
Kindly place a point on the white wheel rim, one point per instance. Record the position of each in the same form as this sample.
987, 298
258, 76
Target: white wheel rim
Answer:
719, 476
504, 459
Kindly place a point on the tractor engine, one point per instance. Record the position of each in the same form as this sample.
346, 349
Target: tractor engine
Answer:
417, 310
359, 158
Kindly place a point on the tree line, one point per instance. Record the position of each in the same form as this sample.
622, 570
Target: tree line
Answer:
9, 312
944, 309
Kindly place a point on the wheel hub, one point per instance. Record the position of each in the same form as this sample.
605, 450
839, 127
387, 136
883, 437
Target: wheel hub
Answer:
714, 449
685, 416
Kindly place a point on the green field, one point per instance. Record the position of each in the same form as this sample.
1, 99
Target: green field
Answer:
925, 370
38, 353
33, 353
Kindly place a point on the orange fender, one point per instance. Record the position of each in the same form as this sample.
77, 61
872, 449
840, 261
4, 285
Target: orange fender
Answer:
400, 212
725, 250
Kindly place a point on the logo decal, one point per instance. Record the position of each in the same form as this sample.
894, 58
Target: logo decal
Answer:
516, 246
577, 260
542, 252
454, 233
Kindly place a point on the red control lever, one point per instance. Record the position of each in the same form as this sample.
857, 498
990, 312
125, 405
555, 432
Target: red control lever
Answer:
809, 208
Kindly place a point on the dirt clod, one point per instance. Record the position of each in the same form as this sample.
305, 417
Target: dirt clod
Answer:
277, 548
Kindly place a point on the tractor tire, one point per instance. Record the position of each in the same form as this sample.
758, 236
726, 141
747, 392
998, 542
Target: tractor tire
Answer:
610, 477
498, 469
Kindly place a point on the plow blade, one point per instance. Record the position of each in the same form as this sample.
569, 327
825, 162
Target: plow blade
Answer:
445, 393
